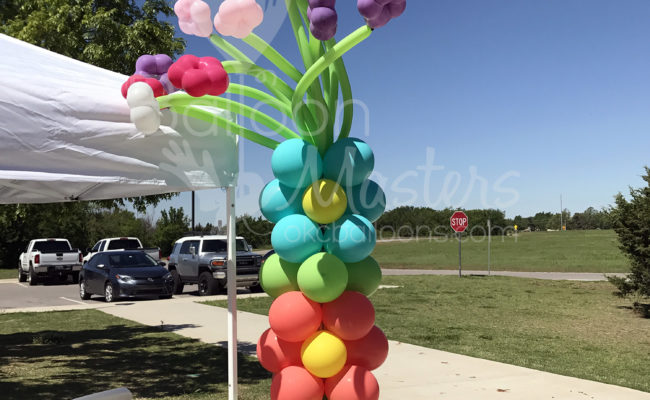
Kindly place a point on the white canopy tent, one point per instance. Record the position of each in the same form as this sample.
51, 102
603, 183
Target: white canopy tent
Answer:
65, 135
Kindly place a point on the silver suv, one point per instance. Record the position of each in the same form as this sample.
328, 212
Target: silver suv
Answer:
202, 260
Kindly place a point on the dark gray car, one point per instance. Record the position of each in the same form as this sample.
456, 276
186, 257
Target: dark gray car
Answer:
128, 273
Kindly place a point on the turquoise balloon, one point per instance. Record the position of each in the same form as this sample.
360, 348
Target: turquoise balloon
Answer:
322, 277
296, 163
278, 201
348, 162
352, 238
367, 199
295, 238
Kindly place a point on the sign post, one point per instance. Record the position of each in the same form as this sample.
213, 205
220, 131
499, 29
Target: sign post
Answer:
459, 223
489, 243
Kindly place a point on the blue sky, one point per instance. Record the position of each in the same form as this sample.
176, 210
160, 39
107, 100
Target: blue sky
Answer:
476, 104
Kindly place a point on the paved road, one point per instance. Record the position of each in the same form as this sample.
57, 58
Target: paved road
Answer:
15, 295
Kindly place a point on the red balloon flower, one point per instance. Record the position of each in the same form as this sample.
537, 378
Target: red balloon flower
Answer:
199, 76
156, 86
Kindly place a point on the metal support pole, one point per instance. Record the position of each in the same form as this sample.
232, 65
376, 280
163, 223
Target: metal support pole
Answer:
460, 264
192, 210
231, 285
489, 243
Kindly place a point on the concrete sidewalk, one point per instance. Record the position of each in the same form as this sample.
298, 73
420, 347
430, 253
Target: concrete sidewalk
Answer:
410, 373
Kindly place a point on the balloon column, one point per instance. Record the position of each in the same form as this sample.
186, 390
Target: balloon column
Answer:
322, 339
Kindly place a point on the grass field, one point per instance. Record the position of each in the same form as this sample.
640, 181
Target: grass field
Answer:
571, 328
570, 251
8, 273
62, 355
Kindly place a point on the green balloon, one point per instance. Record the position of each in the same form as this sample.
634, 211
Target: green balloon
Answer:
322, 277
278, 276
364, 276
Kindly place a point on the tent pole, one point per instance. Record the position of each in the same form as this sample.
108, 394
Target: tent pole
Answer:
231, 284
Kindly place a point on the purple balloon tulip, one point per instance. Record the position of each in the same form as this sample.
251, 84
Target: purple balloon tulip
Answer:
379, 12
153, 65
322, 18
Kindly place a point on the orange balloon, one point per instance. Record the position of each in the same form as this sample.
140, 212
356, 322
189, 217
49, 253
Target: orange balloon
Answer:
294, 383
294, 317
276, 354
370, 351
352, 383
350, 316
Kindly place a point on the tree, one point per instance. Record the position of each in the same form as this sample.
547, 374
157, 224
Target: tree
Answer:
171, 226
110, 34
632, 225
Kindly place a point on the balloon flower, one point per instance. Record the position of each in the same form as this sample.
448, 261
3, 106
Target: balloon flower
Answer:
379, 12
322, 338
238, 18
199, 76
194, 17
322, 18
155, 66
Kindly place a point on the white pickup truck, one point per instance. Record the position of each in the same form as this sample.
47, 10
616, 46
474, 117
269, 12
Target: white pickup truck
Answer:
121, 243
49, 258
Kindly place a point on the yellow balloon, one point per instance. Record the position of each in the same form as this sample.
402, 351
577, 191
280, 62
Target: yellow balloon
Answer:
324, 201
323, 354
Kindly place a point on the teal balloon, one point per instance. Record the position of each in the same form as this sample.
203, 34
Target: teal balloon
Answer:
322, 277
278, 201
366, 199
296, 163
364, 276
348, 162
278, 276
352, 238
295, 238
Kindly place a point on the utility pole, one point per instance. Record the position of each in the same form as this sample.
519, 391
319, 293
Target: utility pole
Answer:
561, 214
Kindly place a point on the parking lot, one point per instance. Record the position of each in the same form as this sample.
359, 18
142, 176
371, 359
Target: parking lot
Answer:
14, 294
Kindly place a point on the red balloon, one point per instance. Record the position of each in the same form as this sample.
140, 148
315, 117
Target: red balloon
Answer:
370, 351
296, 383
276, 354
294, 317
352, 383
350, 316
155, 85
199, 76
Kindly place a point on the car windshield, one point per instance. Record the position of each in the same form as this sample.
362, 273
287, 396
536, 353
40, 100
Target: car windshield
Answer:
52, 246
220, 246
127, 244
130, 260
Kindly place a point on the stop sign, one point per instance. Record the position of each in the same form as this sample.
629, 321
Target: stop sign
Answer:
459, 221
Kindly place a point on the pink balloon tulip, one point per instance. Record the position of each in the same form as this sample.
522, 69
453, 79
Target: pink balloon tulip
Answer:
194, 17
238, 18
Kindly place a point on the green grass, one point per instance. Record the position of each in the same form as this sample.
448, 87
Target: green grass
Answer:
62, 355
570, 251
9, 273
570, 328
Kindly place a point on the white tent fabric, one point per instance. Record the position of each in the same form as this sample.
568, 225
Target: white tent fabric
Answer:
65, 134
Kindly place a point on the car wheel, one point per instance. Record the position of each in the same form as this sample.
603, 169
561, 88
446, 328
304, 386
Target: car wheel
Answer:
31, 277
207, 284
109, 294
178, 283
256, 288
75, 277
21, 275
82, 290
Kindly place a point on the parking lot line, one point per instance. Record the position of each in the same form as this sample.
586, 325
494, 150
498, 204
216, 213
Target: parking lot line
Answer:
20, 284
74, 301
